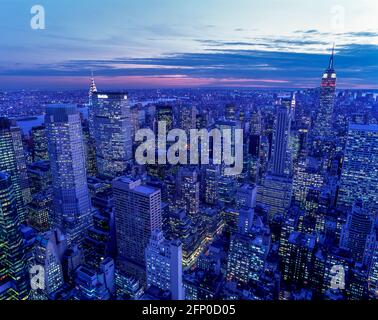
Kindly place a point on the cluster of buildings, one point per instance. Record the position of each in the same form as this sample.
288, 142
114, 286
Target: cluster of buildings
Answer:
298, 223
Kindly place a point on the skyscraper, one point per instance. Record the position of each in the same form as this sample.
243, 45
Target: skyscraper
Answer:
137, 214
48, 252
112, 132
165, 113
14, 275
359, 174
359, 225
9, 163
248, 250
211, 175
164, 265
276, 188
189, 191
92, 88
21, 163
298, 266
187, 117
323, 124
280, 160
38, 135
71, 201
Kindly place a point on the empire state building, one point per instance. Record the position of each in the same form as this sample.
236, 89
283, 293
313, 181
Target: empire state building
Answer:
323, 124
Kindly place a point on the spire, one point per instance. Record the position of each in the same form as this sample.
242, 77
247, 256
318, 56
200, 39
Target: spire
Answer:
92, 88
330, 66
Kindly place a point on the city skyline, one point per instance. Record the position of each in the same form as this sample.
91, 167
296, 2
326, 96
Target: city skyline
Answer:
172, 163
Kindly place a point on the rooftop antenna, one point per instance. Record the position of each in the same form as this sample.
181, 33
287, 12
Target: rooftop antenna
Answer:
330, 66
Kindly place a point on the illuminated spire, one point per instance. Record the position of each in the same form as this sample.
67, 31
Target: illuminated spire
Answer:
92, 88
330, 66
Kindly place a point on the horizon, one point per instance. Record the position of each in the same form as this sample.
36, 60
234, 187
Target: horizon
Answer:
177, 45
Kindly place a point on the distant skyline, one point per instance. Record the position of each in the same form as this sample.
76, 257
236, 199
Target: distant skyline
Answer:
208, 43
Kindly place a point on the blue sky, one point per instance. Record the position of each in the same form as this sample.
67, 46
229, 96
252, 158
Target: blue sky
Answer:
166, 43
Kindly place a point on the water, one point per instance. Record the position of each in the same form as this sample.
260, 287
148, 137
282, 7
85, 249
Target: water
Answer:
27, 125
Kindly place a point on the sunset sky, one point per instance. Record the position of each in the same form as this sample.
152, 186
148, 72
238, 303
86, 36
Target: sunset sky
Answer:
192, 43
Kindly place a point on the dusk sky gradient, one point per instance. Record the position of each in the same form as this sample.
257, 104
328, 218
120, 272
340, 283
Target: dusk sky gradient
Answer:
192, 43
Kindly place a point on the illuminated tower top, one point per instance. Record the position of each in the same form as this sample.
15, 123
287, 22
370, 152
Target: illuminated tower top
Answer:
323, 124
92, 88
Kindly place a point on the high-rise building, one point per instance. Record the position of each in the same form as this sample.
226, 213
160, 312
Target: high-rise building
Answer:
323, 123
189, 191
211, 175
14, 274
112, 132
92, 89
48, 252
246, 196
359, 225
187, 117
21, 163
280, 164
9, 163
373, 274
297, 268
39, 139
246, 257
40, 211
248, 250
164, 265
307, 175
39, 176
275, 194
276, 187
134, 120
137, 214
359, 174
71, 201
165, 113
255, 123
90, 150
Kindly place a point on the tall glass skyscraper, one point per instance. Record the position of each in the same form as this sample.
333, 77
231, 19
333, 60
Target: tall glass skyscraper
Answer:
71, 201
280, 159
359, 174
165, 113
276, 189
38, 135
323, 124
359, 225
48, 252
14, 275
21, 163
112, 132
9, 164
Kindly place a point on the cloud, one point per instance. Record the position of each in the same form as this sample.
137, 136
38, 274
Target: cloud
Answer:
225, 64
361, 34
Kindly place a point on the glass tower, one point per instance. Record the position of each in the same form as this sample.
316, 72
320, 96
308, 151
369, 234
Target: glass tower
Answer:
323, 124
9, 164
71, 201
112, 132
14, 275
359, 174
